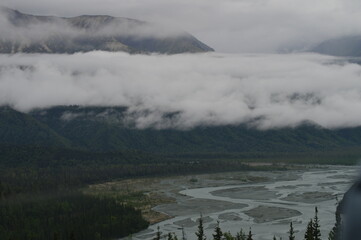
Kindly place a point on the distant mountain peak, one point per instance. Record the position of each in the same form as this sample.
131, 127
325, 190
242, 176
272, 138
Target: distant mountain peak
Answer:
49, 34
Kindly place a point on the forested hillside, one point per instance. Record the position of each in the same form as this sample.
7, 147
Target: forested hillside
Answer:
18, 128
47, 155
105, 129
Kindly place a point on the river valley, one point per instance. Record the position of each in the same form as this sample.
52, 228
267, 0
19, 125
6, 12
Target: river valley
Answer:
266, 201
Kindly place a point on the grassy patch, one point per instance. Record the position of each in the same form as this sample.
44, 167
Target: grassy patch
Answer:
137, 193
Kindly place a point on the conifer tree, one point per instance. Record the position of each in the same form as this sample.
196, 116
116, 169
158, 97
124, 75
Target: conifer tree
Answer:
217, 232
241, 235
183, 234
170, 236
309, 231
336, 230
291, 232
228, 236
332, 235
158, 235
316, 226
250, 235
200, 234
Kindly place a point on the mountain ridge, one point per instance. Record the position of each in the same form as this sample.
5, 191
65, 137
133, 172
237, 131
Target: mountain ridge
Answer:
92, 32
346, 46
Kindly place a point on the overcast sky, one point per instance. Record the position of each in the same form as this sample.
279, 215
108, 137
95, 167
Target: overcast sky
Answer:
226, 25
250, 83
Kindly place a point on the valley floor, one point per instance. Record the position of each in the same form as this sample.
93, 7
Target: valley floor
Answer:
265, 200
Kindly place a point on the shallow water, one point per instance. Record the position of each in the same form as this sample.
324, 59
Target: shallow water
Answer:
266, 207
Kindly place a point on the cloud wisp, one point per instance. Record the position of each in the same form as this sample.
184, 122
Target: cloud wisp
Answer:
202, 89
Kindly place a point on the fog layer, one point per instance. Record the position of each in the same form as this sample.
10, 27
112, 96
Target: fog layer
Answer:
203, 89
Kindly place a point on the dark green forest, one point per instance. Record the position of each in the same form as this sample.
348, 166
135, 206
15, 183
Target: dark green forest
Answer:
46, 158
41, 151
106, 129
67, 216
35, 202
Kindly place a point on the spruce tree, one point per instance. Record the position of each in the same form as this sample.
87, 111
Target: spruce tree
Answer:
316, 226
183, 234
332, 235
158, 235
291, 232
336, 230
228, 236
309, 231
172, 236
250, 235
241, 235
200, 234
217, 232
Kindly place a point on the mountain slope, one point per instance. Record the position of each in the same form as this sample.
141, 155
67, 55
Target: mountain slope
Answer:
349, 46
21, 129
48, 34
103, 129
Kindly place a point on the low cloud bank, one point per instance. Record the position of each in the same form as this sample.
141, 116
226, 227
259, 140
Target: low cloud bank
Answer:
266, 91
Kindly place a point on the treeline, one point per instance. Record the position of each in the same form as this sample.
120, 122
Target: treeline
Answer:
35, 181
36, 169
67, 216
312, 232
39, 201
347, 156
43, 169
